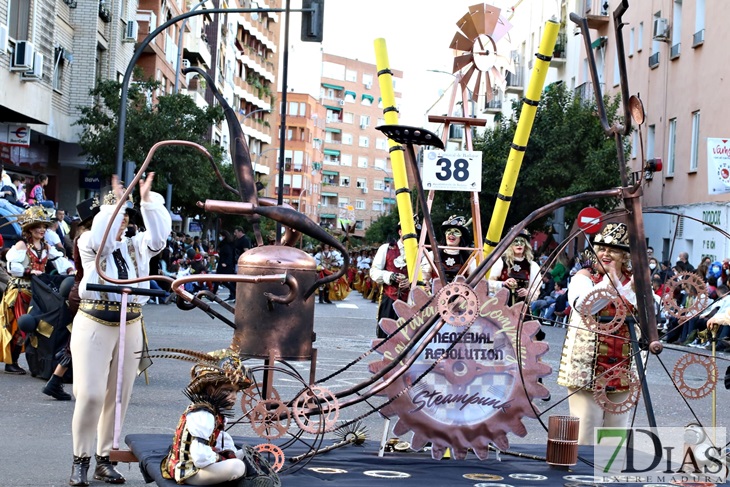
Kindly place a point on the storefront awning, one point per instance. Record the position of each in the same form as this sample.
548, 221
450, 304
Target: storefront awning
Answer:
331, 152
370, 98
329, 195
334, 87
333, 130
334, 109
328, 215
330, 173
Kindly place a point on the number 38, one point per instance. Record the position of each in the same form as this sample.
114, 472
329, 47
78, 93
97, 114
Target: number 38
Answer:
460, 170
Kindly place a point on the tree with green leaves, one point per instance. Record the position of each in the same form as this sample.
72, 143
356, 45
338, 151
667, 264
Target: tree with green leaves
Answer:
173, 117
568, 153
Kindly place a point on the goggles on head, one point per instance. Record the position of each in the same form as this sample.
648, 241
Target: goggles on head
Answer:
453, 231
521, 242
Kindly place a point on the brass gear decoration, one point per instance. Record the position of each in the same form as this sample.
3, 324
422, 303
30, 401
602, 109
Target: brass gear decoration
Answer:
679, 280
273, 450
487, 398
270, 419
595, 325
316, 397
458, 304
684, 362
252, 395
617, 407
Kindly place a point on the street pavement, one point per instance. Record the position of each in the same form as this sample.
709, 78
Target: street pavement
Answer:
36, 429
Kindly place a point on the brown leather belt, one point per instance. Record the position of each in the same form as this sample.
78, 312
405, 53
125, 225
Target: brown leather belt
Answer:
108, 311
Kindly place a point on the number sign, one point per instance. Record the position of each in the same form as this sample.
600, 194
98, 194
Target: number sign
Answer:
452, 171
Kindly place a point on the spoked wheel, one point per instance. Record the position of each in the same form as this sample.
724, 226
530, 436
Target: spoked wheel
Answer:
283, 420
675, 387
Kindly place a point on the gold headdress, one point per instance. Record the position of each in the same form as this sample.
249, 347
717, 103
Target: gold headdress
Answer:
34, 216
613, 235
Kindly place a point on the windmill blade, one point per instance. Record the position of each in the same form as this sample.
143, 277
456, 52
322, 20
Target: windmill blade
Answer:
460, 43
467, 76
498, 79
485, 17
467, 26
501, 29
477, 87
504, 63
461, 61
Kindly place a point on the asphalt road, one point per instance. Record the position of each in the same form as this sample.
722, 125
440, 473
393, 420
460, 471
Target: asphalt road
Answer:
36, 429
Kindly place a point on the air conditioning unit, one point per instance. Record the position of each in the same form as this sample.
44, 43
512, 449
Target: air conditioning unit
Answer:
363, 125
3, 39
186, 63
365, 190
660, 32
36, 71
341, 102
130, 34
23, 56
368, 86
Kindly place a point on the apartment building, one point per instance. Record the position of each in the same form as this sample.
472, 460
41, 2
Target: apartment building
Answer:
357, 179
674, 52
303, 155
51, 54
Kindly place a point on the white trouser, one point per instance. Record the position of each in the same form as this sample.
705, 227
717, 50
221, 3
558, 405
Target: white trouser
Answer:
591, 415
219, 472
94, 350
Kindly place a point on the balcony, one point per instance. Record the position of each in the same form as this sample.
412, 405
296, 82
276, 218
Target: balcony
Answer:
494, 105
596, 13
586, 93
561, 44
196, 48
515, 83
654, 60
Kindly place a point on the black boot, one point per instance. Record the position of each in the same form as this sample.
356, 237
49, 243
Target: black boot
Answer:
54, 388
105, 471
14, 368
79, 471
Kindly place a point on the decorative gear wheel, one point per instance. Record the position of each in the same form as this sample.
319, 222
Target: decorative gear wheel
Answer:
617, 407
321, 399
476, 392
684, 362
596, 325
275, 452
686, 280
270, 419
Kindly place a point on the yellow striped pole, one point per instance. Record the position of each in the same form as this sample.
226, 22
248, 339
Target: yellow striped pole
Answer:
522, 135
397, 160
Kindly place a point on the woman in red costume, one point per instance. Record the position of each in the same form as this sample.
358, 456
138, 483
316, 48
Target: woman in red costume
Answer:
27, 257
587, 355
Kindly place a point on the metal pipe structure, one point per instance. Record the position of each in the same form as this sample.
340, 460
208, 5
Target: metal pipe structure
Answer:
122, 119
522, 135
397, 162
282, 123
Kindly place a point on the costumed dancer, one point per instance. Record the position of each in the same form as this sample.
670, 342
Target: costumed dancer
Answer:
517, 271
456, 231
87, 210
328, 261
363, 270
202, 452
26, 258
95, 337
390, 272
588, 355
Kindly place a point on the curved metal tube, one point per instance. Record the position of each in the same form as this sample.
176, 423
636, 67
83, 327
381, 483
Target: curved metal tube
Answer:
290, 281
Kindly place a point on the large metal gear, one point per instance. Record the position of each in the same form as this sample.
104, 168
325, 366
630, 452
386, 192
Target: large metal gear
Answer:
594, 323
474, 395
684, 362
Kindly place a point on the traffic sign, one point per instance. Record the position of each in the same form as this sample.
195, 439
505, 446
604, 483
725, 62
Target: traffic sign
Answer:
589, 220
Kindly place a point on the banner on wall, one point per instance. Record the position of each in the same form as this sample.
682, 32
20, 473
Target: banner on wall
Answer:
718, 165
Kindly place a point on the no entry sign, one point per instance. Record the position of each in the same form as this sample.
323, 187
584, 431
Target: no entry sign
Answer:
589, 220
